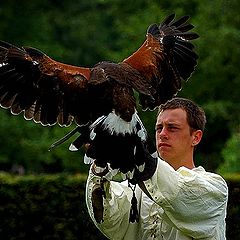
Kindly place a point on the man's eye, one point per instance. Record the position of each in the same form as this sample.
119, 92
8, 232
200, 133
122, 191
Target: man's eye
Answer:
173, 128
159, 129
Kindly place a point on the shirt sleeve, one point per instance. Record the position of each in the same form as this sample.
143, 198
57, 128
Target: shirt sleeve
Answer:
194, 201
116, 206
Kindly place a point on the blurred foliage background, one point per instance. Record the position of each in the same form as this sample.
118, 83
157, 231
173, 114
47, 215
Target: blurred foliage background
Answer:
83, 32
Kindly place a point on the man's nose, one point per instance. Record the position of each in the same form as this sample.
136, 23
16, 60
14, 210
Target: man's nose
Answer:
162, 134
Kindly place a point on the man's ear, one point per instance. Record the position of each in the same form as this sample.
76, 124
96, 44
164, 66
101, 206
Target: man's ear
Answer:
196, 137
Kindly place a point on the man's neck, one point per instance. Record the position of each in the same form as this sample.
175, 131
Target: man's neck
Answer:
177, 164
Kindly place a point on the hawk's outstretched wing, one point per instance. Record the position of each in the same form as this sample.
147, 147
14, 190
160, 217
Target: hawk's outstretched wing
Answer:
165, 59
47, 91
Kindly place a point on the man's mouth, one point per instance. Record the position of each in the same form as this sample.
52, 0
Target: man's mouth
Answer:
163, 144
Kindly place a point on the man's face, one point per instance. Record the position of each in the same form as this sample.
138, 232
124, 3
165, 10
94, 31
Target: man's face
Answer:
174, 140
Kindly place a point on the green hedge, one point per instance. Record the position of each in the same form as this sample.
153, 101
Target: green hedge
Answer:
233, 212
44, 207
53, 207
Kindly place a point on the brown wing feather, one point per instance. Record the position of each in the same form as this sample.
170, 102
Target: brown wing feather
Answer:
47, 91
165, 59
145, 58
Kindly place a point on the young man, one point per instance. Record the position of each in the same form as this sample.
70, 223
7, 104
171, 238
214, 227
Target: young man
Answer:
179, 201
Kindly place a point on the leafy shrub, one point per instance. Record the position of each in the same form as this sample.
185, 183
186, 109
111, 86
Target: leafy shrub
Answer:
233, 211
44, 207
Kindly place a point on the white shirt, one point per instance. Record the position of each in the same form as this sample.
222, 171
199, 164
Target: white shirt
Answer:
187, 204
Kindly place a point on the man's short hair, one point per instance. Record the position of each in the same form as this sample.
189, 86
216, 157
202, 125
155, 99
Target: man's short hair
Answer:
196, 117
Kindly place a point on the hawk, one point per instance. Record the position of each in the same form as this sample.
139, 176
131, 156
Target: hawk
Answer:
101, 100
